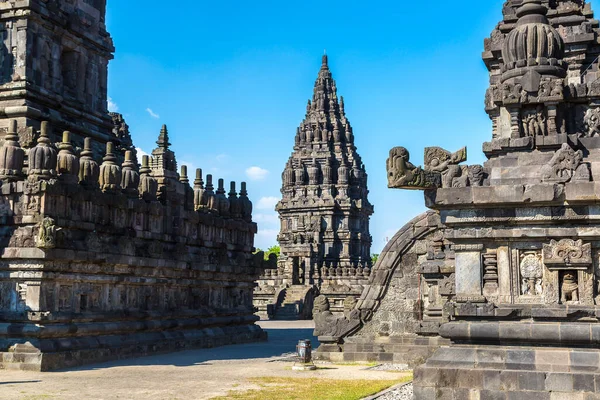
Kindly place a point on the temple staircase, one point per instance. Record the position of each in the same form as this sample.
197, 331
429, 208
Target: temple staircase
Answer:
292, 306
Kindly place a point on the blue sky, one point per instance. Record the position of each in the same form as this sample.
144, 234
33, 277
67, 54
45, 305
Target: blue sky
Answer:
231, 80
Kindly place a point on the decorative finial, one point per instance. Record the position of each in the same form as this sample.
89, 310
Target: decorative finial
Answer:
11, 154
325, 60
130, 178
68, 163
532, 7
148, 186
163, 138
183, 176
89, 169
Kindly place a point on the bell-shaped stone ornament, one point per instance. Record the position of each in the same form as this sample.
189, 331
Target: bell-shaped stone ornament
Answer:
42, 157
110, 171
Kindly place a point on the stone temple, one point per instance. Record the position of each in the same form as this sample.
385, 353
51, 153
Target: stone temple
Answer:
324, 238
102, 258
495, 291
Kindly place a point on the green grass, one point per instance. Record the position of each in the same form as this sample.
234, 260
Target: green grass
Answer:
311, 389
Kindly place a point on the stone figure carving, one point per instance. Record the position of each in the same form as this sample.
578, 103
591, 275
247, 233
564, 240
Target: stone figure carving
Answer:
46, 238
534, 122
566, 166
326, 324
531, 275
569, 288
567, 252
446, 163
402, 174
591, 121
476, 175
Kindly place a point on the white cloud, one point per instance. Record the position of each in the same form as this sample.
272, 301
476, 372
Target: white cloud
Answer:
152, 113
141, 153
266, 238
112, 106
257, 173
271, 219
267, 203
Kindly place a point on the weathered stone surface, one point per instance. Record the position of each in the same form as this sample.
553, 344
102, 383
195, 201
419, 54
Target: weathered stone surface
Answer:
521, 305
103, 261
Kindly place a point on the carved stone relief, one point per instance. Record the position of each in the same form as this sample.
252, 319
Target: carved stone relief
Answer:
532, 272
565, 166
567, 253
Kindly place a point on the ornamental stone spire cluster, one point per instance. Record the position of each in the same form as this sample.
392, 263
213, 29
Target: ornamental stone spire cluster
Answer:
94, 246
324, 210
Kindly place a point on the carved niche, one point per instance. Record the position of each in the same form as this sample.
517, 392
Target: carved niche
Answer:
531, 271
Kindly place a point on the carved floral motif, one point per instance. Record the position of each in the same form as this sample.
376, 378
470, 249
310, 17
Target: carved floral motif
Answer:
532, 271
566, 253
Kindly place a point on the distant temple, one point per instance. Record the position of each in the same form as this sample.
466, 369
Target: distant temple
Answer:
324, 238
101, 258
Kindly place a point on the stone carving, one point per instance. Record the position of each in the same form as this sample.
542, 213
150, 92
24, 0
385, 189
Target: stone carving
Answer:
534, 122
46, 237
327, 324
569, 288
130, 178
68, 162
402, 174
446, 163
566, 166
591, 122
532, 271
148, 186
110, 171
89, 171
567, 253
42, 157
11, 154
476, 175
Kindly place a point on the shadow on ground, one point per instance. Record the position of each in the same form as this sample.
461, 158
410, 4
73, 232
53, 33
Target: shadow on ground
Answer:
281, 342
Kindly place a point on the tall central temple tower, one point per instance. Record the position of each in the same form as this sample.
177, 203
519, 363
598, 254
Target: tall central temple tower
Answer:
324, 212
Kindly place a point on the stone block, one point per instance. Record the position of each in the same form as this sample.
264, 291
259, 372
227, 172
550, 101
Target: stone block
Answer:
491, 395
528, 395
585, 360
575, 333
470, 378
584, 383
520, 359
531, 380
509, 380
468, 273
491, 379
559, 382
552, 360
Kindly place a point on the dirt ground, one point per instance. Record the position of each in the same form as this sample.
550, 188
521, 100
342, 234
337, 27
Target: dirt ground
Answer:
192, 374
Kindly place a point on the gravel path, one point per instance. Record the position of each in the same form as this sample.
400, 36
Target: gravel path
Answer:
402, 393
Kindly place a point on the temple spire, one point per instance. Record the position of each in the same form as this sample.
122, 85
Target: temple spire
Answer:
163, 138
